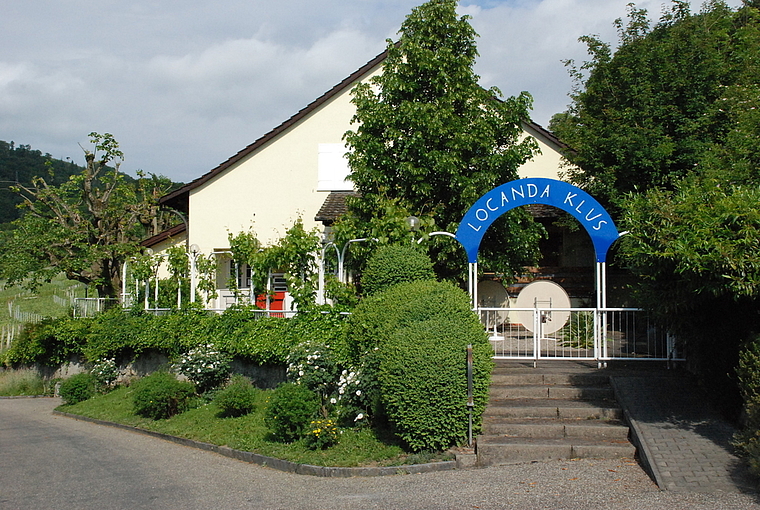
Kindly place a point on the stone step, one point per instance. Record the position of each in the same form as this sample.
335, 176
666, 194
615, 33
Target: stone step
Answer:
508, 377
553, 409
555, 412
494, 450
501, 391
580, 429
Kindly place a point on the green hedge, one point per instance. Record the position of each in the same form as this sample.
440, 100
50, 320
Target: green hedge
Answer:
377, 316
411, 341
50, 342
423, 381
393, 264
124, 335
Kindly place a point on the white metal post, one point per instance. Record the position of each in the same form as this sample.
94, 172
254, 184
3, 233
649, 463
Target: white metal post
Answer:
321, 277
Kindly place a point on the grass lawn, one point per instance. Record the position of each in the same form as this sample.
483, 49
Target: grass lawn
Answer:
357, 447
22, 382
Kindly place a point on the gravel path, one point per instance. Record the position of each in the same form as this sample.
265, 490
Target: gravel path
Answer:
56, 462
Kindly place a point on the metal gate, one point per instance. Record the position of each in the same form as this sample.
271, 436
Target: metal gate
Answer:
600, 334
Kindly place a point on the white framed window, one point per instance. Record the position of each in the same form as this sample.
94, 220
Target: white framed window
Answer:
332, 168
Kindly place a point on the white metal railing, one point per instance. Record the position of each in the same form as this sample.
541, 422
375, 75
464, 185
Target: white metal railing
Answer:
256, 313
576, 333
89, 307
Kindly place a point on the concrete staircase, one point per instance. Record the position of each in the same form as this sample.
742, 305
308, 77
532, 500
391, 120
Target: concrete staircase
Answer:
561, 410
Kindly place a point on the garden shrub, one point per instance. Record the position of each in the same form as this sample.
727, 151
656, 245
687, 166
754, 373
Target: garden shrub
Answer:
160, 395
747, 440
312, 364
393, 264
77, 388
50, 342
378, 316
375, 340
290, 411
105, 371
423, 381
115, 333
206, 366
237, 398
174, 333
322, 434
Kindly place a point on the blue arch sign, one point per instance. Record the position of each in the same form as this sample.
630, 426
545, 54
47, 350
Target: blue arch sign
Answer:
562, 195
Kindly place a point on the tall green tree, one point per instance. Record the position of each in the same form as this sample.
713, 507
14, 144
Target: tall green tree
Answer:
430, 141
665, 129
85, 227
652, 112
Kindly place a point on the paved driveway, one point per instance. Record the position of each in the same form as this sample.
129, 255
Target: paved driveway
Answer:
49, 462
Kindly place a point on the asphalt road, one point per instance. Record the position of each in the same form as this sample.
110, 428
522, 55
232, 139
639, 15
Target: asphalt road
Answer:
50, 462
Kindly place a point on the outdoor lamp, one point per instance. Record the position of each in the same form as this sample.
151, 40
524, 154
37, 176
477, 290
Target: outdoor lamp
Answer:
413, 223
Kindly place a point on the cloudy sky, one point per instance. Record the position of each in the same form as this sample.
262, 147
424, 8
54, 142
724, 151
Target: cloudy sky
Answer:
185, 84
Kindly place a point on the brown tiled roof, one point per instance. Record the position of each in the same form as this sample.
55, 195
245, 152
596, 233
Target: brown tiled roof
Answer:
163, 236
334, 206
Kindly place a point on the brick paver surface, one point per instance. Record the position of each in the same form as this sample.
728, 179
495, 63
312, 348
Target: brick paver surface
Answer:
684, 443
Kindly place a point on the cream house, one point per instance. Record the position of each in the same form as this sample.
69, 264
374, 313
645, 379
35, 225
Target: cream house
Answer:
295, 170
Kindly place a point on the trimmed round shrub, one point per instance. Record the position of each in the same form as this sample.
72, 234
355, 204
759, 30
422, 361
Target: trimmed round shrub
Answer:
290, 411
237, 398
393, 264
160, 395
378, 316
422, 377
77, 388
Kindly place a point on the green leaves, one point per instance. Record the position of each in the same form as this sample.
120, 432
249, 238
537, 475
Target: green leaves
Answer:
293, 255
430, 141
85, 227
705, 235
671, 99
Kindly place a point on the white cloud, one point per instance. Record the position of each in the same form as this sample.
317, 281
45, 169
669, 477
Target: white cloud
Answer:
184, 85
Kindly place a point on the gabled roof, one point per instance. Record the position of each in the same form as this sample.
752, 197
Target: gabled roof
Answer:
176, 198
179, 199
165, 235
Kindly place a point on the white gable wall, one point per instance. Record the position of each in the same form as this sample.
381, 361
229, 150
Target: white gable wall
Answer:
547, 163
275, 185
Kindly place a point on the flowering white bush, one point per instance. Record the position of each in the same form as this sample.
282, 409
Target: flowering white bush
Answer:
105, 371
352, 401
313, 366
206, 366
341, 392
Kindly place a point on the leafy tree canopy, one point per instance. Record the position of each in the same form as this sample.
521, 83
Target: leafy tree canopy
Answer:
665, 130
84, 227
430, 141
672, 100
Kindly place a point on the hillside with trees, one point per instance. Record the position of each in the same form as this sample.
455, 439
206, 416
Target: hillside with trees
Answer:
19, 164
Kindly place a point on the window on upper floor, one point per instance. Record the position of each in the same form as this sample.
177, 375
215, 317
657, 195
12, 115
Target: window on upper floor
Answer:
333, 168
